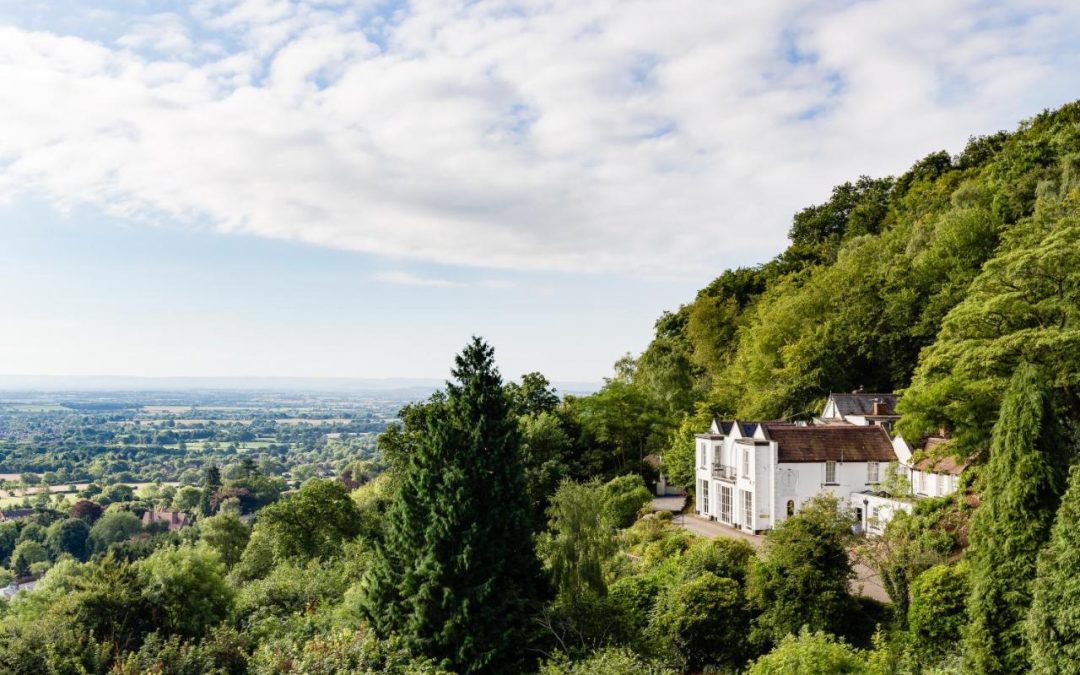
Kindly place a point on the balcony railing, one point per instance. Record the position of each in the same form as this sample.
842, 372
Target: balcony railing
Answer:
723, 471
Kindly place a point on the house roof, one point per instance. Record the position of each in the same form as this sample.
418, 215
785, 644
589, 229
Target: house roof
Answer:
15, 514
726, 428
830, 443
862, 403
947, 465
175, 519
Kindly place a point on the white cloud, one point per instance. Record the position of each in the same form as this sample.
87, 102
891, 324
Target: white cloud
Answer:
402, 278
619, 135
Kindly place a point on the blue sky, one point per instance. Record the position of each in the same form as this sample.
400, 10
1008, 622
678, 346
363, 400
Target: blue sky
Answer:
269, 187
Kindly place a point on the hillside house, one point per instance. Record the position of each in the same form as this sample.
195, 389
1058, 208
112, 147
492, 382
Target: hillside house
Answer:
754, 475
175, 519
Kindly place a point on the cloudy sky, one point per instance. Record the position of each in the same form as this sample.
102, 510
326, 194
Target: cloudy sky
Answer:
266, 187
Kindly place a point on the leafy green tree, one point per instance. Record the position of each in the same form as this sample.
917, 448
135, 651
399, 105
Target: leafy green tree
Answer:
803, 576
727, 558
187, 499
679, 461
623, 498
1023, 481
113, 528
187, 584
314, 522
704, 622
9, 537
545, 450
938, 608
69, 536
1053, 623
1023, 307
905, 550
579, 539
26, 554
117, 492
226, 534
534, 396
810, 653
457, 576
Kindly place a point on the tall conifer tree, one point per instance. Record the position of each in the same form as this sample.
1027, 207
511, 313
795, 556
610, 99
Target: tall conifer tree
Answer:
457, 575
1054, 623
1023, 484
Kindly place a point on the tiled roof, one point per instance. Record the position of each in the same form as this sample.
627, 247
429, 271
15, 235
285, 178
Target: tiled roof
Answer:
830, 443
175, 519
863, 403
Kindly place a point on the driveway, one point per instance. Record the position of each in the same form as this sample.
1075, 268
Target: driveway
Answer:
866, 583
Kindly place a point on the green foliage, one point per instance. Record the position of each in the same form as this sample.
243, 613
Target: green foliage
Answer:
457, 575
623, 498
703, 622
187, 499
69, 537
533, 397
546, 456
342, 652
26, 554
579, 539
802, 579
226, 534
113, 528
810, 653
938, 608
1053, 622
1023, 482
186, 586
1023, 307
679, 461
312, 523
907, 548
609, 661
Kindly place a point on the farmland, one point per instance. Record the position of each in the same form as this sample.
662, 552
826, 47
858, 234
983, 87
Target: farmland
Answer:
62, 445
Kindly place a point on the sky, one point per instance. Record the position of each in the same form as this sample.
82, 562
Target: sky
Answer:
352, 189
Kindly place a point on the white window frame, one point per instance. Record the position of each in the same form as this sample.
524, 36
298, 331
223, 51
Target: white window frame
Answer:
725, 504
830, 468
746, 462
940, 484
704, 497
873, 472
748, 509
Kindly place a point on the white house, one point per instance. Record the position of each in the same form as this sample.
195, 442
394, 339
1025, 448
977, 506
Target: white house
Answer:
932, 476
861, 409
753, 475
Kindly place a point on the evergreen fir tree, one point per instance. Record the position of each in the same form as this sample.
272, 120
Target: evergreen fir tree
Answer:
1054, 623
457, 576
1022, 487
211, 484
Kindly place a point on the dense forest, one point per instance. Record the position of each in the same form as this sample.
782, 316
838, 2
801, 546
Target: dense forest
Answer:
508, 532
